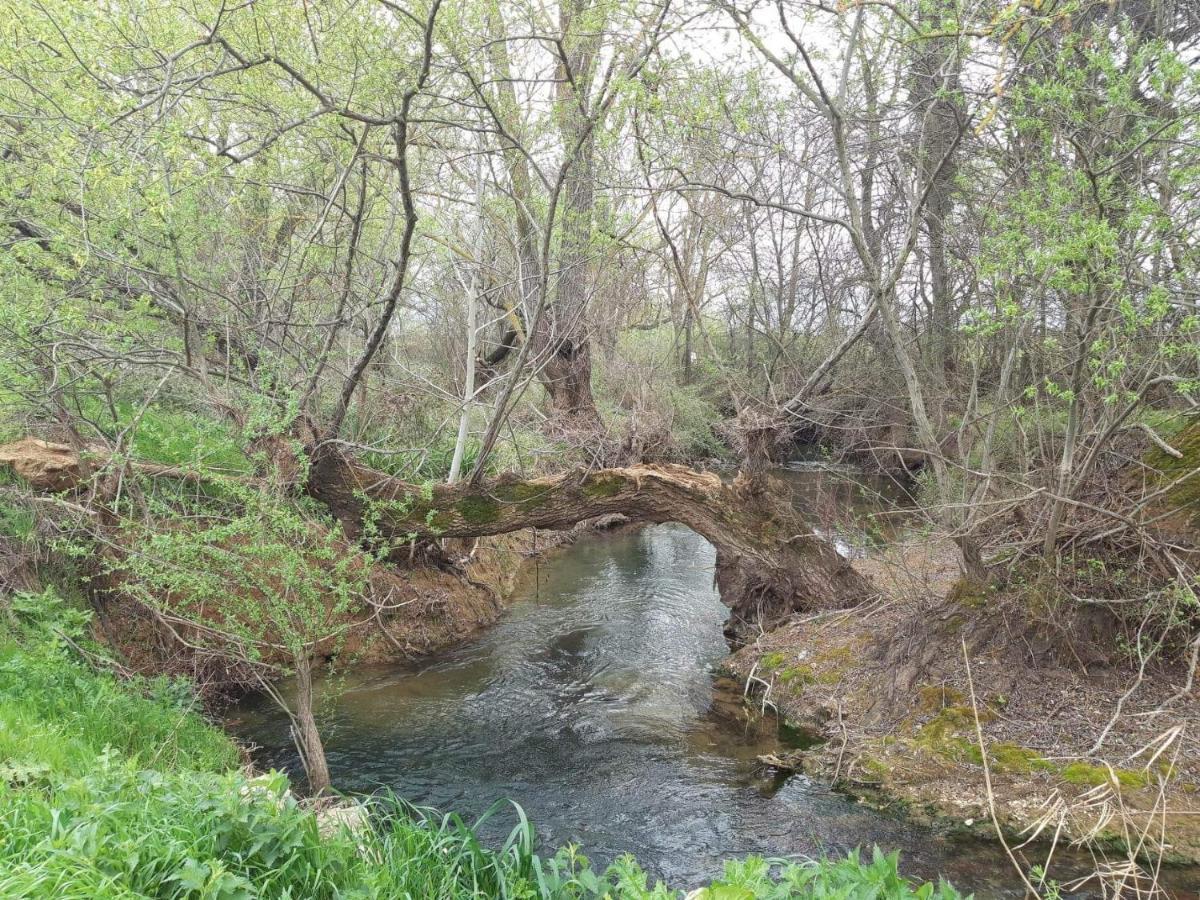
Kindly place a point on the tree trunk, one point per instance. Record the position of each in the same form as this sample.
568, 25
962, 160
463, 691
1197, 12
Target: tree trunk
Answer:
566, 338
528, 267
935, 80
687, 346
464, 418
473, 289
769, 563
304, 730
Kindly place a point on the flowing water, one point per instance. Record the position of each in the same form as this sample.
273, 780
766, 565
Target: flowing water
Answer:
593, 704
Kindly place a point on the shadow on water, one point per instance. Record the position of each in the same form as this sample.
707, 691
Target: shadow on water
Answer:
597, 709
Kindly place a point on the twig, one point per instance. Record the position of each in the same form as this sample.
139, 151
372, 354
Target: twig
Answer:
987, 777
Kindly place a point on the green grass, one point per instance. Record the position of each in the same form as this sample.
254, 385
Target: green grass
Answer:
173, 435
57, 716
124, 832
116, 788
121, 832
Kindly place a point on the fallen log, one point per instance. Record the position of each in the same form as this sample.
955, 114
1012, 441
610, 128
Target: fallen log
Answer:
769, 563
45, 466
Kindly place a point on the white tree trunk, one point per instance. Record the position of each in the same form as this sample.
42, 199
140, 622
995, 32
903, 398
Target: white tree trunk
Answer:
464, 419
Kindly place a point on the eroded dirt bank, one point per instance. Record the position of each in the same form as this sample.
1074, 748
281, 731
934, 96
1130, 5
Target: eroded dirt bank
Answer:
412, 605
410, 612
443, 608
887, 687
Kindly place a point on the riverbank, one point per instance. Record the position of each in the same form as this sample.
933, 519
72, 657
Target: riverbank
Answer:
416, 610
886, 672
905, 723
116, 787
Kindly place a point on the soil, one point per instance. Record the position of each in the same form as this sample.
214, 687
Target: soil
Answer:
886, 685
430, 609
443, 608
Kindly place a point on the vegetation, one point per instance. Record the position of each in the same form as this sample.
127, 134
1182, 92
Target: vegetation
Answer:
119, 789
262, 585
58, 716
277, 278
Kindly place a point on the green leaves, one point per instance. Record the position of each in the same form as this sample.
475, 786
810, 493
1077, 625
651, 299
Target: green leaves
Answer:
48, 618
849, 878
264, 577
208, 881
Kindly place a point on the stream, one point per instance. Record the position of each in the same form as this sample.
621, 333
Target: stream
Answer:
594, 704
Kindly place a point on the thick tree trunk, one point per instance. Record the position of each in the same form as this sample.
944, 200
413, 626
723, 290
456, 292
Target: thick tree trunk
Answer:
561, 340
935, 85
567, 377
769, 563
566, 332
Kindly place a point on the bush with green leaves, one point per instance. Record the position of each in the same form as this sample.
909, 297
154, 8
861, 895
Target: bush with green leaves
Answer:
265, 576
264, 585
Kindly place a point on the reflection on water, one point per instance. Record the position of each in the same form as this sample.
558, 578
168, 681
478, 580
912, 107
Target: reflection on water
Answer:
592, 705
855, 511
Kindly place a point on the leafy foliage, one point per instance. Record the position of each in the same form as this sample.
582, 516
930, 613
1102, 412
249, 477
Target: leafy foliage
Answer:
752, 879
264, 576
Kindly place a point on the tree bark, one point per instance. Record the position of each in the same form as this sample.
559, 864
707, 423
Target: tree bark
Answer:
305, 732
473, 289
769, 563
567, 373
935, 79
560, 339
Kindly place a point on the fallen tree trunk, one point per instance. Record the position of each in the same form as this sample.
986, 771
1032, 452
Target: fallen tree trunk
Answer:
769, 563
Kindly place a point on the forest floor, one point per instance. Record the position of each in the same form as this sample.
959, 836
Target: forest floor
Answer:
903, 719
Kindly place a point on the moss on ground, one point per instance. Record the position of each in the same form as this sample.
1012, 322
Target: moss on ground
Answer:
951, 733
1088, 775
969, 593
802, 675
797, 676
1017, 760
933, 697
772, 661
874, 768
